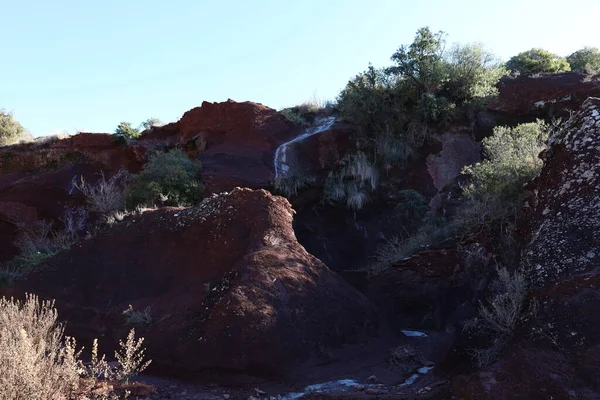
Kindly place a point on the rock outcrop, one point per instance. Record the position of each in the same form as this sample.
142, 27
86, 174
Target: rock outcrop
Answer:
556, 352
560, 92
226, 283
564, 216
458, 150
236, 142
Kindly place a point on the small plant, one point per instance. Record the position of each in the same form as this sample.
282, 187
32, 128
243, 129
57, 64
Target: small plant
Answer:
294, 117
289, 185
137, 318
130, 357
506, 303
168, 178
127, 131
430, 235
106, 194
352, 183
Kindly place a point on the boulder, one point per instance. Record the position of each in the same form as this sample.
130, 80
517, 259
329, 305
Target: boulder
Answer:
227, 285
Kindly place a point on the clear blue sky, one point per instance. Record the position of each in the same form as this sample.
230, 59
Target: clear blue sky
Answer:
88, 64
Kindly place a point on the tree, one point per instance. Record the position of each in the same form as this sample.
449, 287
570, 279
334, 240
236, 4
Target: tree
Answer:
585, 60
422, 61
472, 72
536, 61
150, 123
127, 131
11, 131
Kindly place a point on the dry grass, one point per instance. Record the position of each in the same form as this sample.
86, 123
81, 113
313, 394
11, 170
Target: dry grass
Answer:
106, 194
37, 362
506, 302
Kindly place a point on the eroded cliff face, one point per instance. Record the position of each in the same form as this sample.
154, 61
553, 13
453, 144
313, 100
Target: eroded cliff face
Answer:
564, 216
555, 351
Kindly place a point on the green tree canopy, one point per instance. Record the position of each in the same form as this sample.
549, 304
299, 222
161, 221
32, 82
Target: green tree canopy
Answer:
11, 131
536, 61
126, 130
422, 61
585, 60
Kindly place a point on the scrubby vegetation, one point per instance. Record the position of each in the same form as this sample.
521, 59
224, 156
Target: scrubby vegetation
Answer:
37, 362
168, 179
536, 61
585, 60
127, 131
494, 195
11, 131
511, 159
41, 241
105, 195
401, 107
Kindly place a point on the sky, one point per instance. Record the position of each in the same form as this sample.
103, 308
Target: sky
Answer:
69, 65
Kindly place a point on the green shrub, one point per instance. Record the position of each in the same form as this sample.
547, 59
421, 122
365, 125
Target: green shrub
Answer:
511, 160
127, 131
400, 108
412, 205
169, 178
11, 131
585, 60
536, 61
294, 117
137, 318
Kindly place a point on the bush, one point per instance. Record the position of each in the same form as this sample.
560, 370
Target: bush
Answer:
40, 242
505, 304
352, 183
289, 185
11, 131
294, 117
127, 131
137, 318
169, 178
511, 160
37, 362
399, 108
106, 194
585, 60
150, 124
536, 61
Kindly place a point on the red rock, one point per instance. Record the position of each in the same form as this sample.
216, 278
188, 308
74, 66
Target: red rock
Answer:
269, 306
236, 142
458, 150
526, 94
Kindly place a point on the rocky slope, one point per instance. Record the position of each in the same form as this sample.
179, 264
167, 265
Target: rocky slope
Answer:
227, 286
555, 353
